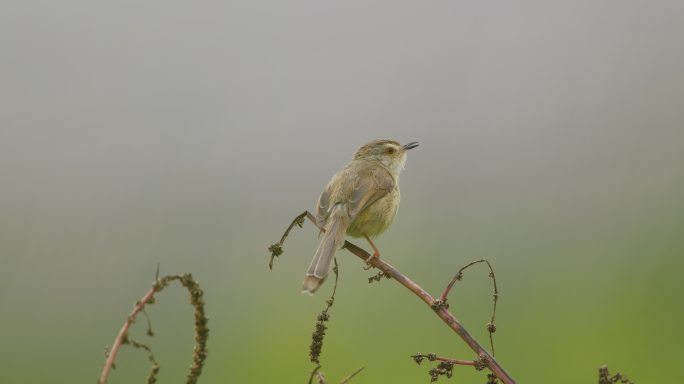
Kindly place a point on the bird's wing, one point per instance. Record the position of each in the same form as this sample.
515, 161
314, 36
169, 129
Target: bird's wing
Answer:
367, 188
323, 206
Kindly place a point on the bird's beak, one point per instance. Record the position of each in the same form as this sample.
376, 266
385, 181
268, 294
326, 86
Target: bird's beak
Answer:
410, 145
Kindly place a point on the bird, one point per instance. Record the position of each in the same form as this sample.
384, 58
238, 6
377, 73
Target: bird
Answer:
361, 200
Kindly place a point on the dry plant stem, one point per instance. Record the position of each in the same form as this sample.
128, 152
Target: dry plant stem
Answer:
443, 313
276, 249
315, 374
432, 357
199, 354
491, 327
459, 275
462, 362
348, 378
121, 337
457, 361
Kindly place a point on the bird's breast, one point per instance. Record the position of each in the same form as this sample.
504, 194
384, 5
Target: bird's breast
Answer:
377, 217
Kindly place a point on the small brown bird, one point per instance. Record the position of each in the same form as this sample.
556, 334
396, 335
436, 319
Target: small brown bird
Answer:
361, 200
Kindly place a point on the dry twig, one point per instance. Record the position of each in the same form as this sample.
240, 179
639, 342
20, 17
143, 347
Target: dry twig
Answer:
201, 330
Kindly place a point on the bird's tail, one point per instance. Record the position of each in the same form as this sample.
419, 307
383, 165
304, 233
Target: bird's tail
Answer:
332, 240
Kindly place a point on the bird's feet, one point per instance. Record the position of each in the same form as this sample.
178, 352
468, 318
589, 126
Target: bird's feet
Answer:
369, 260
376, 254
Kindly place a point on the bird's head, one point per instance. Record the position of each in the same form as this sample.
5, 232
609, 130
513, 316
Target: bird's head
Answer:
389, 152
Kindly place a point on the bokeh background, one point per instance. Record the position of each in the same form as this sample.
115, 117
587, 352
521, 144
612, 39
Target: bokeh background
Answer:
189, 134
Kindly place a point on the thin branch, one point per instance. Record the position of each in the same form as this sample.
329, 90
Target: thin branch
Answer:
152, 377
346, 379
201, 330
418, 358
277, 248
442, 312
121, 337
491, 326
446, 366
315, 374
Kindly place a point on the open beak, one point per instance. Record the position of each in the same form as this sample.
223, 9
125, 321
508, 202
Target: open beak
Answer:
410, 145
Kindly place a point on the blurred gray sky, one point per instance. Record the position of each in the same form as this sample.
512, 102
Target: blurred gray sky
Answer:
114, 110
130, 130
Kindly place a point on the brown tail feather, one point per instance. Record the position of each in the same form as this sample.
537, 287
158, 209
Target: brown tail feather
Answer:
332, 240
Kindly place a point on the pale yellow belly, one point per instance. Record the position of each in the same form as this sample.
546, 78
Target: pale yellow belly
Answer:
377, 217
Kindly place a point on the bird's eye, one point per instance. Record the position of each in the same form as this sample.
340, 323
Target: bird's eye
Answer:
390, 150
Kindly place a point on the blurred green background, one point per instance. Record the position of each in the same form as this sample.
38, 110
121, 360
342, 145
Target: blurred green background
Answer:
189, 134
